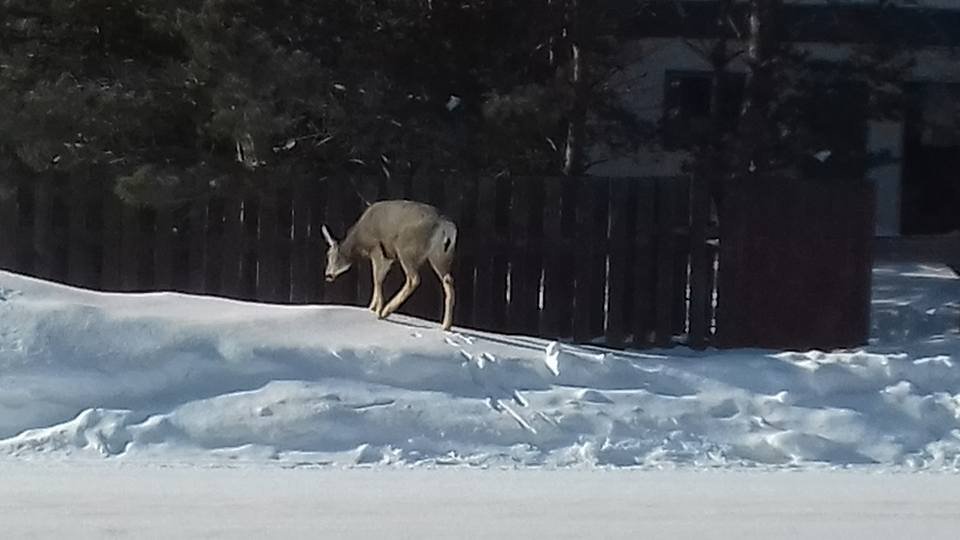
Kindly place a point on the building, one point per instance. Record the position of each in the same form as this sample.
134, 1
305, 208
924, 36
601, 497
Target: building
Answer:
914, 158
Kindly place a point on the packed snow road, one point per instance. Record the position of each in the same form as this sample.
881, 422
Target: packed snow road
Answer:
80, 502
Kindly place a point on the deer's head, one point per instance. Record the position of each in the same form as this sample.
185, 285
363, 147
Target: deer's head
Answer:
337, 263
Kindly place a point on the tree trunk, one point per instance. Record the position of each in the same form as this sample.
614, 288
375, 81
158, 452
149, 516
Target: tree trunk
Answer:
760, 51
758, 93
574, 145
713, 165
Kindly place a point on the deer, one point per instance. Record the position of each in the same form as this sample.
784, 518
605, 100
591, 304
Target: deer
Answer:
411, 232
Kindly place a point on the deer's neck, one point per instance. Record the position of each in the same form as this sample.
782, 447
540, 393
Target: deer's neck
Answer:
349, 246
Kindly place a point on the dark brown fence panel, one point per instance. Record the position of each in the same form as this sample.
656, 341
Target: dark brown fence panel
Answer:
316, 191
643, 261
249, 266
44, 234
590, 259
284, 243
796, 263
500, 253
677, 223
582, 258
560, 252
268, 248
146, 248
195, 240
9, 228
127, 247
461, 207
485, 237
112, 241
619, 284
214, 248
231, 248
25, 251
131, 246
526, 226
301, 287
81, 234
701, 264
671, 260
164, 238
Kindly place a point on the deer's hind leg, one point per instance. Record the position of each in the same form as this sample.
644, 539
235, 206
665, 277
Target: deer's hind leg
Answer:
441, 266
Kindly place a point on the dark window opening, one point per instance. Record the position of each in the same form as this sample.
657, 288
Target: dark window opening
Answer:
686, 115
827, 118
834, 115
930, 191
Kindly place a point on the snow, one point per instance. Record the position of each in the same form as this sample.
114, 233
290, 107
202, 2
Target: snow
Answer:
134, 501
162, 378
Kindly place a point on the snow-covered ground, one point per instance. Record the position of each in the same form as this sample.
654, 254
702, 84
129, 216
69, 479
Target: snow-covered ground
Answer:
175, 379
170, 416
82, 502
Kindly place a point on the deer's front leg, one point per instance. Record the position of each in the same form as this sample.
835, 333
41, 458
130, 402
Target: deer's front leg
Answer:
380, 266
413, 280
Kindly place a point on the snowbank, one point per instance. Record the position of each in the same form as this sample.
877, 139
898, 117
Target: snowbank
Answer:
177, 378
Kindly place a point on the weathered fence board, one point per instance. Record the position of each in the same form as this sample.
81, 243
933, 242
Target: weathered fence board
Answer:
196, 232
9, 227
268, 249
558, 257
643, 262
701, 267
590, 260
81, 249
317, 245
213, 250
619, 285
525, 226
163, 242
666, 272
483, 247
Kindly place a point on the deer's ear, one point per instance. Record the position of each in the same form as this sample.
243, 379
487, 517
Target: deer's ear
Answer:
326, 234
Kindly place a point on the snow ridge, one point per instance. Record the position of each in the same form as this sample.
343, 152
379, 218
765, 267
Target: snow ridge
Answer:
169, 377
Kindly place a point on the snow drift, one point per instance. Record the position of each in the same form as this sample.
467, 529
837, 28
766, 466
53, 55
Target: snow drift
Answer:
170, 377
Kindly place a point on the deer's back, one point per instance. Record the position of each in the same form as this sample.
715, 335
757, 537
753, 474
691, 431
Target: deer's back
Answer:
393, 221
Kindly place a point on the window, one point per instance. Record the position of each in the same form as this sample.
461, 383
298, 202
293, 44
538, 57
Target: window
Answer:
687, 97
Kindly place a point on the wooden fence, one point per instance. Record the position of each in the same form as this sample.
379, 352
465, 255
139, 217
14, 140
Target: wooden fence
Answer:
797, 258
618, 261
